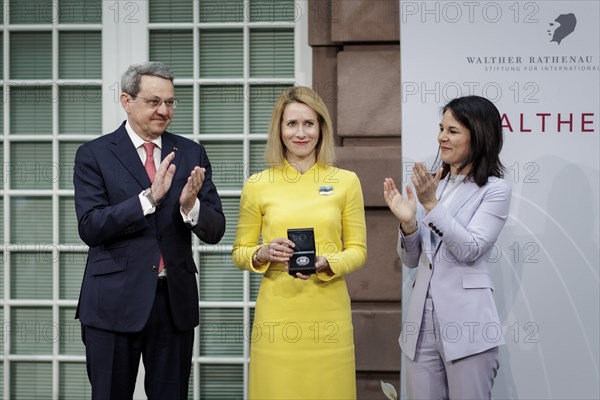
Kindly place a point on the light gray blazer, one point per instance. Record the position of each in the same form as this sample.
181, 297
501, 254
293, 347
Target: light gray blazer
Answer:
453, 250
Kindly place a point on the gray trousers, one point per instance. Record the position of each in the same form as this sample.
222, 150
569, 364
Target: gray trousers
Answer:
431, 377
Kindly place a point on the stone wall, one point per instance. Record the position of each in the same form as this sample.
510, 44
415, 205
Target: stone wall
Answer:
356, 69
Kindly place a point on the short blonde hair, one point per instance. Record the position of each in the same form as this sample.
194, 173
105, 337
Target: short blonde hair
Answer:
275, 149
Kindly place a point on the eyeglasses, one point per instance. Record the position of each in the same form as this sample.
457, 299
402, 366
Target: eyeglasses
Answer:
156, 102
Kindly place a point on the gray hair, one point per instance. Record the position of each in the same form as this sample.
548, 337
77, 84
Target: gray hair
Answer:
130, 81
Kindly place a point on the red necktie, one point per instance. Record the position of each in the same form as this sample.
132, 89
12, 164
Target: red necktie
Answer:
151, 171
149, 164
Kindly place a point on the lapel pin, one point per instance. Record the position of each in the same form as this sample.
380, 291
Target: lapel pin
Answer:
325, 190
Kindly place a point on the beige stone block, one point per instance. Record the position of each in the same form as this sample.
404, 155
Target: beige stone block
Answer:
376, 331
369, 91
380, 279
365, 20
372, 164
371, 141
320, 18
325, 80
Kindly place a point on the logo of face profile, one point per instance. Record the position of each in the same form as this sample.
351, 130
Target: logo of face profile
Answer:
302, 261
566, 26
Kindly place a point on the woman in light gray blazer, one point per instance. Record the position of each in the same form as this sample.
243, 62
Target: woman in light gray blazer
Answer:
449, 224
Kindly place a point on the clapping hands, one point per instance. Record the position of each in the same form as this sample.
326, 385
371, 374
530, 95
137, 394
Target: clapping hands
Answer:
405, 208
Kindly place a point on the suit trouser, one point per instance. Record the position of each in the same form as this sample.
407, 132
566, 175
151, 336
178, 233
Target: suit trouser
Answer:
431, 377
113, 358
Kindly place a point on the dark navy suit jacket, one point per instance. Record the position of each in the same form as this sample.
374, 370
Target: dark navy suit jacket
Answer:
125, 246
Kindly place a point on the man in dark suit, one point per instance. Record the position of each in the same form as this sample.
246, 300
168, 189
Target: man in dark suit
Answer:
139, 193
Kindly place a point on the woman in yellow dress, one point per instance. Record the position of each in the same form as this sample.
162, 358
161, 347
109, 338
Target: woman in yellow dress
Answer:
302, 344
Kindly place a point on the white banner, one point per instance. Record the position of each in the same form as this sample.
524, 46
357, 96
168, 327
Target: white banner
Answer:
539, 62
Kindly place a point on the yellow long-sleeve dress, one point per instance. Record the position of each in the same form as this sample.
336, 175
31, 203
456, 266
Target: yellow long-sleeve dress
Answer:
302, 344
